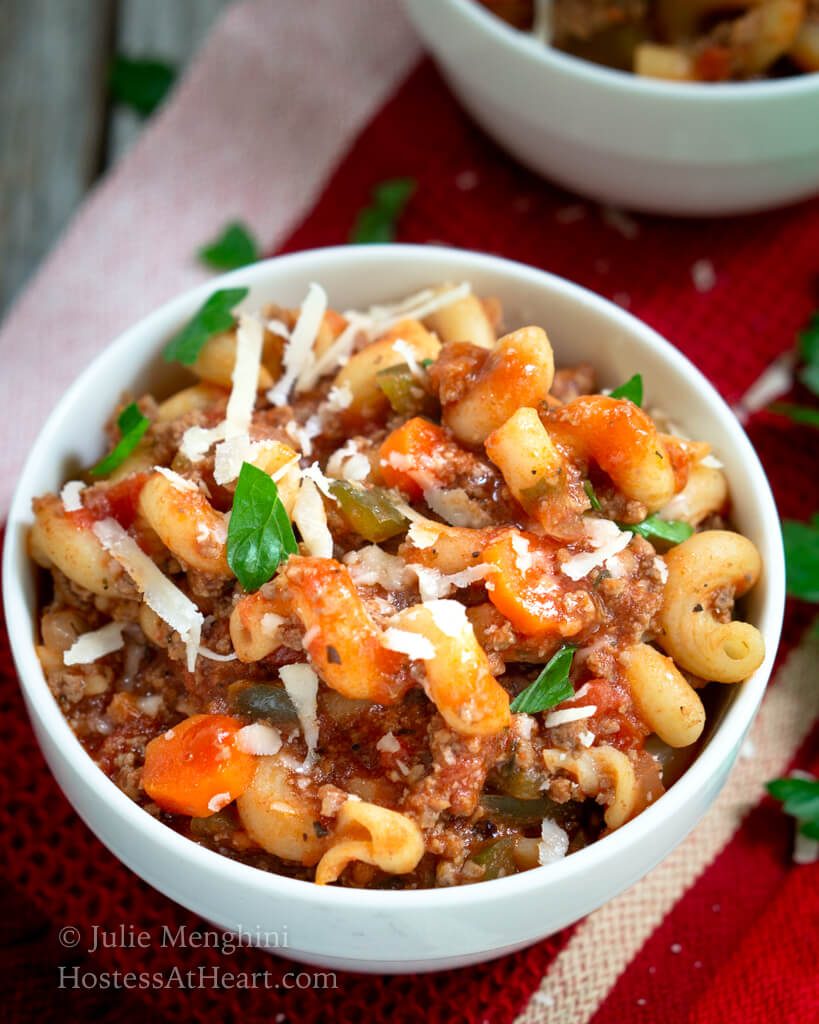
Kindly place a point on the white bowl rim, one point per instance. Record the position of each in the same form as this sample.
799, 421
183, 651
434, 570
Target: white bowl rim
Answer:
627, 82
734, 724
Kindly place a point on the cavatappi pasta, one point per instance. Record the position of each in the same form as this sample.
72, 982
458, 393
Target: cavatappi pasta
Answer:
383, 599
678, 40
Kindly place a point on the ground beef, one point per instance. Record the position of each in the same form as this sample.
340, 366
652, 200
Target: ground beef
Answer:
582, 19
573, 381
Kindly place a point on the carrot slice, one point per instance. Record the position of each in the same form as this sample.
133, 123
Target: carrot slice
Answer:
530, 591
410, 457
196, 767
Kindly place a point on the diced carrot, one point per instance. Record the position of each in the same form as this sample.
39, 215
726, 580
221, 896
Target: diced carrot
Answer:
411, 455
529, 590
196, 767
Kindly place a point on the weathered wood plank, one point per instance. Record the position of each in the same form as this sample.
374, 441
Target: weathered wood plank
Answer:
53, 65
171, 31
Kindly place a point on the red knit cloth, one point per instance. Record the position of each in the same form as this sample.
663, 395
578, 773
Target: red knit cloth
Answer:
752, 916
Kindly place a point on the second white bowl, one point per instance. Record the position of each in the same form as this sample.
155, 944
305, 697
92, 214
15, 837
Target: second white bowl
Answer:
660, 147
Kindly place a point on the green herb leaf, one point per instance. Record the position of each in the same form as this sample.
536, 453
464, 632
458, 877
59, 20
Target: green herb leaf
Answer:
802, 558
140, 83
809, 350
260, 536
809, 375
551, 687
213, 317
797, 413
132, 425
235, 247
800, 798
377, 222
810, 829
809, 340
673, 530
632, 390
595, 501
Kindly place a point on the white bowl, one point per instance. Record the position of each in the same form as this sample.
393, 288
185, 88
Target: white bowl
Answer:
661, 147
385, 930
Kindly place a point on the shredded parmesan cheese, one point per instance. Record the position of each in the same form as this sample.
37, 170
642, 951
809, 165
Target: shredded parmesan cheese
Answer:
338, 398
311, 518
218, 802
314, 473
423, 534
554, 842
404, 349
569, 715
301, 683
70, 495
606, 539
91, 646
160, 594
259, 739
348, 463
206, 652
388, 743
523, 556
197, 440
433, 584
298, 352
230, 455
177, 481
414, 646
449, 616
371, 565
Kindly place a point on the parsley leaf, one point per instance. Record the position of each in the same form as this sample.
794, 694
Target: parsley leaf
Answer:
139, 82
673, 530
802, 558
376, 222
809, 351
797, 413
588, 487
235, 247
551, 687
632, 390
132, 425
260, 536
800, 797
213, 317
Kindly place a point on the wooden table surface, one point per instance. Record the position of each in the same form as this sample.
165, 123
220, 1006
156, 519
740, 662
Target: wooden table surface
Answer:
59, 130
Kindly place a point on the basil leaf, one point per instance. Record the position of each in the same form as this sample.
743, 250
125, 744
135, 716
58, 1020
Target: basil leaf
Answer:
551, 687
140, 83
798, 413
132, 426
212, 317
235, 247
260, 536
802, 558
673, 530
595, 501
377, 222
632, 390
800, 797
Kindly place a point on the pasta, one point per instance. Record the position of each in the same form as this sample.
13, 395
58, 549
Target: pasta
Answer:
383, 600
684, 40
705, 574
